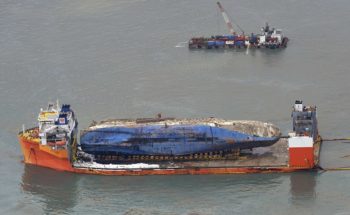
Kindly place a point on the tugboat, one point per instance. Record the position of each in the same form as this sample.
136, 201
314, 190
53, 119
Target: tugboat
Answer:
268, 38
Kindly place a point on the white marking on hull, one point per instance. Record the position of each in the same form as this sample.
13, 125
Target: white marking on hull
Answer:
300, 142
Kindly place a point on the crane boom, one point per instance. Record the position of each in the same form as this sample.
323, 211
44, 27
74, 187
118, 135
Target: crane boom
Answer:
227, 20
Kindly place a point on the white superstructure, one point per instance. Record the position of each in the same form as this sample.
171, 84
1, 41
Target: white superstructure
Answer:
56, 125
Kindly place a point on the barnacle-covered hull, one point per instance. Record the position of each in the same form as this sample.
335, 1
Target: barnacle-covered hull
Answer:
174, 137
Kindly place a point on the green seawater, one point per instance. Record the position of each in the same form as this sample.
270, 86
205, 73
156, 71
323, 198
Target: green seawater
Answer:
125, 59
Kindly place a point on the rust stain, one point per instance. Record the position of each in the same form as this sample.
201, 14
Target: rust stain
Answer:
230, 141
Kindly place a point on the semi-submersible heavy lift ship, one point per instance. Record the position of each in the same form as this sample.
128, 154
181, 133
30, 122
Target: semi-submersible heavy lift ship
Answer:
170, 146
268, 38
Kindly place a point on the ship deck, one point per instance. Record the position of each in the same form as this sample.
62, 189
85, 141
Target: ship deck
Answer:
264, 158
273, 158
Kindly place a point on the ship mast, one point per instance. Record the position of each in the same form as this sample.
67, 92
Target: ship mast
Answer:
227, 20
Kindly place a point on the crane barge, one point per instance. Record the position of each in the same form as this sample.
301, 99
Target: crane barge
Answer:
268, 38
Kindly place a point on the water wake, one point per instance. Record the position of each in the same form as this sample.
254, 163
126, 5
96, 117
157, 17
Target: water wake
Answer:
181, 45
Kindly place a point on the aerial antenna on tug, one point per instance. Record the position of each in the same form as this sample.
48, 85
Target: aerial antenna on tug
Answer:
57, 105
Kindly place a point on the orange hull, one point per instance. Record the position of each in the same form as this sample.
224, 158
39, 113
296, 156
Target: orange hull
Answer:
36, 154
301, 157
187, 171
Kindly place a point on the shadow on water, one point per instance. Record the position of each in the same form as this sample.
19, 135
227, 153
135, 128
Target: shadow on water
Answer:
272, 57
302, 187
182, 182
57, 190
64, 193
177, 194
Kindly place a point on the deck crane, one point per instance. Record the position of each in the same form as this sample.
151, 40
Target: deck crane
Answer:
227, 20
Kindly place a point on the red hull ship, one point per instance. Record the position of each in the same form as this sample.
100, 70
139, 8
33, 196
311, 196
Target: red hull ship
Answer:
45, 146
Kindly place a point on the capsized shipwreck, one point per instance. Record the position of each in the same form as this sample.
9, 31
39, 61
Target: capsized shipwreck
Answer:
173, 138
164, 146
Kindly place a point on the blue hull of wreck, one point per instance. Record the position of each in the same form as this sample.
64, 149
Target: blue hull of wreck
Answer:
172, 140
